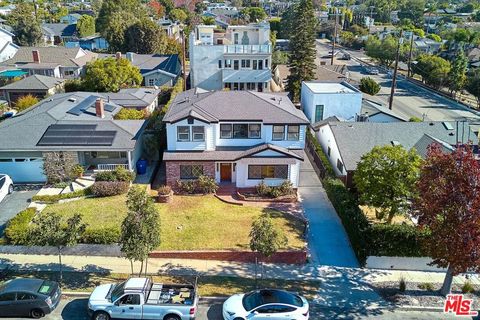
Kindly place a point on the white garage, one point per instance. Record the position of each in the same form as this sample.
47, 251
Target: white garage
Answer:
23, 167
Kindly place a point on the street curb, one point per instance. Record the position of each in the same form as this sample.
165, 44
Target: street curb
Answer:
419, 309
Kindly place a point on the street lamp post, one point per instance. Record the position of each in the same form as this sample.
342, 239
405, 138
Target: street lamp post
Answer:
395, 70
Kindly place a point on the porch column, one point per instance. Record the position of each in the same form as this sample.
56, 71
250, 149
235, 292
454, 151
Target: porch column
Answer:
129, 159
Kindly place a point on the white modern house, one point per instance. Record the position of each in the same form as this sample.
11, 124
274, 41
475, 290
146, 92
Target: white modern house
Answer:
236, 137
238, 59
322, 100
7, 48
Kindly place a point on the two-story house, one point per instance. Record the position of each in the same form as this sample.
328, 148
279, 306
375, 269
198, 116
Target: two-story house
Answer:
239, 137
238, 59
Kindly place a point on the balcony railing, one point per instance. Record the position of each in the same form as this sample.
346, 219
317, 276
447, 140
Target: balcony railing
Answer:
110, 167
247, 48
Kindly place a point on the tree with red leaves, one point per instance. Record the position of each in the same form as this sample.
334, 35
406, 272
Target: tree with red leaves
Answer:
448, 206
157, 9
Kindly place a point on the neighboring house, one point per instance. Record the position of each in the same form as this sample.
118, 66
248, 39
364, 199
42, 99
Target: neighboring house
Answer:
70, 18
172, 29
321, 100
239, 59
135, 98
92, 43
189, 4
78, 122
36, 85
236, 137
6, 10
7, 48
58, 33
157, 69
426, 45
345, 143
58, 62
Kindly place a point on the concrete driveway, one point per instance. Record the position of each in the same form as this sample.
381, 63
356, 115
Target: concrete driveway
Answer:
13, 204
328, 242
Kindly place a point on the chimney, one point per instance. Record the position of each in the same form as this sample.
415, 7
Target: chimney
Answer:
36, 56
99, 108
130, 56
118, 55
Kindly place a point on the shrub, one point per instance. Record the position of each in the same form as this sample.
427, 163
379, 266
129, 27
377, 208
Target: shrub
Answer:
18, 227
25, 102
61, 185
57, 197
105, 176
467, 287
396, 240
164, 190
122, 174
263, 189
369, 86
286, 188
77, 171
206, 184
188, 187
109, 188
402, 286
101, 235
415, 119
130, 114
73, 85
426, 286
323, 157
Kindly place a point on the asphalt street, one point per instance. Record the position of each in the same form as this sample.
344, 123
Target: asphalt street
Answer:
76, 309
410, 99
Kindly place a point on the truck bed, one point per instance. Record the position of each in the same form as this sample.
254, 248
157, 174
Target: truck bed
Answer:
181, 294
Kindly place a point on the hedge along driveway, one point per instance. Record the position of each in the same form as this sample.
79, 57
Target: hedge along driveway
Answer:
189, 222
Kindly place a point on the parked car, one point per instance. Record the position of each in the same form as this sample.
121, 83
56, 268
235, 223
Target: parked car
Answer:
29, 297
373, 71
6, 186
346, 56
140, 298
266, 304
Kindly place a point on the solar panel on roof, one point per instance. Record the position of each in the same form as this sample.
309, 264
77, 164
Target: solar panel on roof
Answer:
72, 127
82, 106
109, 108
76, 135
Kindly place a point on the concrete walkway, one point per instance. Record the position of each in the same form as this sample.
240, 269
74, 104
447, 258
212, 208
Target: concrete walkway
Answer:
328, 242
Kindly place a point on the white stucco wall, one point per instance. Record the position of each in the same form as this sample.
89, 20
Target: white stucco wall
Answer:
204, 70
345, 105
326, 139
242, 171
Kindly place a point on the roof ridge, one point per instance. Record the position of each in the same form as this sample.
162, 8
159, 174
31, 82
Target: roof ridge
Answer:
273, 104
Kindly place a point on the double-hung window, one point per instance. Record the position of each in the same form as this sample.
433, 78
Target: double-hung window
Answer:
254, 131
226, 131
198, 133
191, 171
268, 172
278, 133
228, 63
293, 133
183, 133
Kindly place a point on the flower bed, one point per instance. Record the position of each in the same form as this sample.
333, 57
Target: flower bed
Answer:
253, 196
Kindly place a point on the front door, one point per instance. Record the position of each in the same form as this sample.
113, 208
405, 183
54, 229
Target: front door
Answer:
225, 172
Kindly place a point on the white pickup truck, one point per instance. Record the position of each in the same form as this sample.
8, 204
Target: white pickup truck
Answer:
140, 298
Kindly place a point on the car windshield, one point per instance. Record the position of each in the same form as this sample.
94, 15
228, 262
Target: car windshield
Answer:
255, 299
2, 181
117, 291
47, 287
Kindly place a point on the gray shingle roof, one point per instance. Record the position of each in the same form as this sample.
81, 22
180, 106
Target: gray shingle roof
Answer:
134, 97
218, 106
59, 29
23, 131
67, 57
35, 82
422, 145
372, 108
354, 139
229, 153
150, 62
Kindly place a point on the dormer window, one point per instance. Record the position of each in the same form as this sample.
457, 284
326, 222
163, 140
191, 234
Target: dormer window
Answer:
293, 133
198, 133
183, 133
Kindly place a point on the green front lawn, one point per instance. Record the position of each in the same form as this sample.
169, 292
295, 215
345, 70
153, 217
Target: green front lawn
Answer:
189, 222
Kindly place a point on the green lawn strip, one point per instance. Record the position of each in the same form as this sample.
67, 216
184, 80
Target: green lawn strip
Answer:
189, 222
208, 286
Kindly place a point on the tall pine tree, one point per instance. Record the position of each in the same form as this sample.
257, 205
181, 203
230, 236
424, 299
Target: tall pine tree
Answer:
458, 73
302, 47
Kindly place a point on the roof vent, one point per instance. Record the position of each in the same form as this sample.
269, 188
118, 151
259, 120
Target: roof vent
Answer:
431, 124
447, 125
72, 99
395, 143
451, 134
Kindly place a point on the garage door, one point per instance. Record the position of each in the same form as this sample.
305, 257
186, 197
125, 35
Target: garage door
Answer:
23, 170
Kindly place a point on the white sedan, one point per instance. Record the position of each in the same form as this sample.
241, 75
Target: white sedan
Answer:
270, 304
6, 186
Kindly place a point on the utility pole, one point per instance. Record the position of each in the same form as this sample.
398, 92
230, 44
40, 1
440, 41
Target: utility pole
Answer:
371, 19
394, 79
184, 67
410, 56
336, 14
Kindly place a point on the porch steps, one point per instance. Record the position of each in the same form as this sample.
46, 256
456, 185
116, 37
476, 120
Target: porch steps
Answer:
67, 189
76, 186
84, 182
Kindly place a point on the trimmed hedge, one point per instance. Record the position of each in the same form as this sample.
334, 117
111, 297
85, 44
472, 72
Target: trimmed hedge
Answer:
396, 240
101, 235
17, 228
49, 199
321, 154
109, 188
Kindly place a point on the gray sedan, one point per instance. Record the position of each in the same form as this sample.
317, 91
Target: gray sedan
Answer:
28, 297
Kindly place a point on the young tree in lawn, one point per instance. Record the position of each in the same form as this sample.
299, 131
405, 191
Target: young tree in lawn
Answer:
51, 230
140, 228
301, 61
265, 238
448, 206
369, 86
457, 77
385, 179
